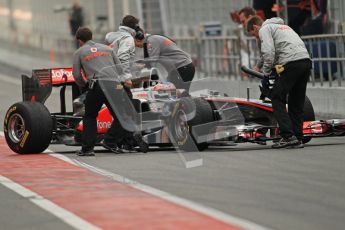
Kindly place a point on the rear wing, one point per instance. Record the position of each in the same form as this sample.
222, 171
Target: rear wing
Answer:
38, 87
62, 76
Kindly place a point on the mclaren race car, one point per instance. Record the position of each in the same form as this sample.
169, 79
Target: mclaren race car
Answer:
164, 115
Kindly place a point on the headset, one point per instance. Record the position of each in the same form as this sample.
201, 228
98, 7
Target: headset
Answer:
139, 34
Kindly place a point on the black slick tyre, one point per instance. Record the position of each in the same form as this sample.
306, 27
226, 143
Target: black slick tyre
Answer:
28, 127
180, 128
308, 115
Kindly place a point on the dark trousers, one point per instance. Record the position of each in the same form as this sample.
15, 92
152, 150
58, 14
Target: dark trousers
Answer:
93, 103
291, 85
183, 77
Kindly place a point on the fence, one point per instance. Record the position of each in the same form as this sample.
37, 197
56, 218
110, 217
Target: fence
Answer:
218, 56
328, 54
223, 56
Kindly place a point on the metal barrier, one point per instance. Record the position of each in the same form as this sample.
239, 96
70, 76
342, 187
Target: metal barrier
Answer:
220, 56
223, 56
213, 56
328, 54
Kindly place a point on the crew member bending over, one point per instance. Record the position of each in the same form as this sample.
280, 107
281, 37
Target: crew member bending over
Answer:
280, 45
174, 59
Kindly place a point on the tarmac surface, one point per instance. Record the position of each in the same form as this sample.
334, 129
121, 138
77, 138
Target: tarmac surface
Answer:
276, 189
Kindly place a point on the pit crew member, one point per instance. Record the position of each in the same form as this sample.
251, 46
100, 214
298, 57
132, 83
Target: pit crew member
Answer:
165, 51
122, 42
282, 46
92, 57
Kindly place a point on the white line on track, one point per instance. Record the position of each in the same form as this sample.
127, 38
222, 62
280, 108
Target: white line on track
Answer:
64, 215
61, 157
216, 214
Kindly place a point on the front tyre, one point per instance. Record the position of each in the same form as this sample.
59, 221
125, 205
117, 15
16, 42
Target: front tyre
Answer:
308, 115
181, 125
28, 127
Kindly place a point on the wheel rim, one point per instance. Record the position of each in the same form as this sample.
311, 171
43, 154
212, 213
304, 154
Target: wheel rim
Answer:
16, 128
181, 125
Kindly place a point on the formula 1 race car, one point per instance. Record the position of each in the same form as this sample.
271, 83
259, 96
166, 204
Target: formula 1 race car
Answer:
163, 114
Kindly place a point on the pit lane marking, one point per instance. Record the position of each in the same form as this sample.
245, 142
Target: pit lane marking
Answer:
216, 214
61, 213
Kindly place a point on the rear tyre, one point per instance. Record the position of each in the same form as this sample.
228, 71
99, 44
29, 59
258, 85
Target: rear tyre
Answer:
28, 127
309, 115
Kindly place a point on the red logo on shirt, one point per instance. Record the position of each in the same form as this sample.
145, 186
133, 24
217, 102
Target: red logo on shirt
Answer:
93, 49
168, 42
284, 27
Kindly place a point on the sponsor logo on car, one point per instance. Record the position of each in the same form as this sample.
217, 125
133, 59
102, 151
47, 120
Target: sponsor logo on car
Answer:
103, 125
59, 74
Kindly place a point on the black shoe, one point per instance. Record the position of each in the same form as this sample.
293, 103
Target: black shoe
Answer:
127, 148
299, 145
285, 142
143, 146
85, 153
111, 147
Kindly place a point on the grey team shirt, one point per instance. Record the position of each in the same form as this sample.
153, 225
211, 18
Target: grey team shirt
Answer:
280, 44
122, 42
93, 58
166, 52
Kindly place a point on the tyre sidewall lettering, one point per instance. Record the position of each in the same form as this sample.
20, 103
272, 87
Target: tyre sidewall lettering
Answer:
25, 137
9, 112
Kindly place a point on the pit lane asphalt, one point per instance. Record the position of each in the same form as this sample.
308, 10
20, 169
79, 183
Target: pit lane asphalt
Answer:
279, 189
